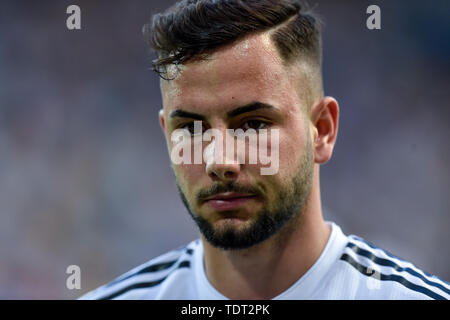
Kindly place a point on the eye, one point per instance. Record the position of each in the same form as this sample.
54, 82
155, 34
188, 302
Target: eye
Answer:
255, 124
190, 127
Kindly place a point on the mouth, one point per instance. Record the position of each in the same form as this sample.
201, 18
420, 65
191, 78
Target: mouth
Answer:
228, 201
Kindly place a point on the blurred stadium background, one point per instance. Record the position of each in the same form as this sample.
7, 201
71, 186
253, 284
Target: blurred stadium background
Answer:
84, 172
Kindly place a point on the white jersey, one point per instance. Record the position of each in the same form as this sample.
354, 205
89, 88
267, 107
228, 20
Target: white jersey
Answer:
348, 268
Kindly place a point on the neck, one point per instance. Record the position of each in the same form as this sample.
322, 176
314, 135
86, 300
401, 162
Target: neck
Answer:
271, 267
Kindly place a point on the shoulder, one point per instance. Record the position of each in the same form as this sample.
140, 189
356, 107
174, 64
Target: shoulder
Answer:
146, 280
373, 273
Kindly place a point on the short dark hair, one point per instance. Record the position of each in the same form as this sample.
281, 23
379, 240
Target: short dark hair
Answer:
195, 28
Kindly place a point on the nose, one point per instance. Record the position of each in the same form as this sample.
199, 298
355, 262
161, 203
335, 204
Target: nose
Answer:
221, 166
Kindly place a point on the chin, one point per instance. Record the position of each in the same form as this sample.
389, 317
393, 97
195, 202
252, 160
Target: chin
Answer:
232, 222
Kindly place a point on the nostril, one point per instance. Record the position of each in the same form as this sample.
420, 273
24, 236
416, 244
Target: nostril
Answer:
213, 175
229, 174
222, 174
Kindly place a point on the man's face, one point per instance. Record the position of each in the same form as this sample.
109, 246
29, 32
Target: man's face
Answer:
233, 204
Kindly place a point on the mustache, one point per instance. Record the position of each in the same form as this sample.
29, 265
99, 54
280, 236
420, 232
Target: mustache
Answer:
217, 188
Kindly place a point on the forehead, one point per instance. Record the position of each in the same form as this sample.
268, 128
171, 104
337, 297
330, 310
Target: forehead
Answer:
250, 70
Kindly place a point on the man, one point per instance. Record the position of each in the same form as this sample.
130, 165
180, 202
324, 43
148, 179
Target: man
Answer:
253, 67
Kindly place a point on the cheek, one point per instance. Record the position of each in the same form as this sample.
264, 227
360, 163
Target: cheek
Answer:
292, 148
188, 176
181, 154
289, 157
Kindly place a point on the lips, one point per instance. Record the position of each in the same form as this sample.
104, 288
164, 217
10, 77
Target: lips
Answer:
228, 201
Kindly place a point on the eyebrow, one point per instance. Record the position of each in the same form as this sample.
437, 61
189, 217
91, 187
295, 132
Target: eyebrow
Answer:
185, 114
253, 106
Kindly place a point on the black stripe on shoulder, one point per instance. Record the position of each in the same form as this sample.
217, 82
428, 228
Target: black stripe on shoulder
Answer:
151, 268
149, 284
392, 277
389, 263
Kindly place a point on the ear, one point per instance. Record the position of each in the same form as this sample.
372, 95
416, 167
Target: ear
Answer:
325, 123
162, 121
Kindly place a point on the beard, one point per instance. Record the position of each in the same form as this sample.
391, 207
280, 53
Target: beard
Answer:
290, 200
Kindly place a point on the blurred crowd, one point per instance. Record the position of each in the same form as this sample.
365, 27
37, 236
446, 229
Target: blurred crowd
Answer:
84, 171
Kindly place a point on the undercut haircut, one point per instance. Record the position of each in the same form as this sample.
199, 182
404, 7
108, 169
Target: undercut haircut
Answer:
193, 29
